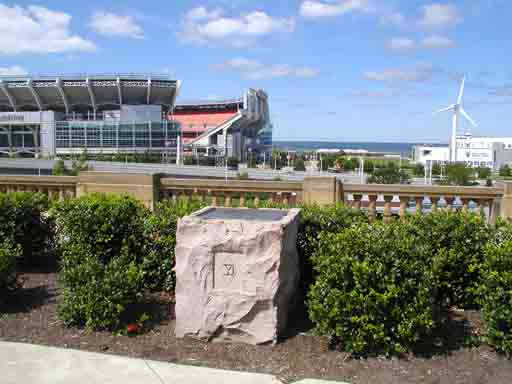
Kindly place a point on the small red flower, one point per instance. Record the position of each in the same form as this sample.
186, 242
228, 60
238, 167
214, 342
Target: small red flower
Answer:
132, 328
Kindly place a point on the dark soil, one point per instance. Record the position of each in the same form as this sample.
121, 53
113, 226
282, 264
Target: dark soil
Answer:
30, 317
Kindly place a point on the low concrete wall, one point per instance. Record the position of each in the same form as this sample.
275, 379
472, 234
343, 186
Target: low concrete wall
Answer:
150, 188
320, 190
144, 187
506, 200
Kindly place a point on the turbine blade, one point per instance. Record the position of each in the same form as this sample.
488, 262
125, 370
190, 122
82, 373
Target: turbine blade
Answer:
467, 117
450, 108
461, 92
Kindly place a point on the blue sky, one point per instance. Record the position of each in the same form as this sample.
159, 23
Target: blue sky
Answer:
365, 70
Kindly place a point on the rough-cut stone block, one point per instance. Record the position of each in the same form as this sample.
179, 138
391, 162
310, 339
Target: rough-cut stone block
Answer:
237, 273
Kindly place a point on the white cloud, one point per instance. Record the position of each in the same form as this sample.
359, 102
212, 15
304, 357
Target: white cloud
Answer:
436, 42
407, 45
254, 70
202, 26
421, 73
434, 16
15, 70
202, 13
111, 24
315, 8
394, 18
38, 30
438, 16
374, 94
400, 44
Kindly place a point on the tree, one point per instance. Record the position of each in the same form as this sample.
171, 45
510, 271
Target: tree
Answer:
436, 169
505, 171
189, 160
369, 166
233, 162
389, 174
483, 173
59, 169
277, 159
459, 174
300, 165
78, 166
252, 160
327, 162
351, 164
419, 170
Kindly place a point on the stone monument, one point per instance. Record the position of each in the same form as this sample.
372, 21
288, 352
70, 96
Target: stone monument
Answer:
237, 272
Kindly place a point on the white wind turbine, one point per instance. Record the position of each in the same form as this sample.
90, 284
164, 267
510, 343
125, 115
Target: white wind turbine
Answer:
456, 109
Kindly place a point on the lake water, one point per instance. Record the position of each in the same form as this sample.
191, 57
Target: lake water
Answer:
404, 149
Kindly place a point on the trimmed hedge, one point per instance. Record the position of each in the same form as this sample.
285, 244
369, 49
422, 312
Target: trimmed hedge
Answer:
496, 292
317, 220
160, 242
101, 274
373, 292
9, 255
458, 243
373, 287
101, 224
24, 220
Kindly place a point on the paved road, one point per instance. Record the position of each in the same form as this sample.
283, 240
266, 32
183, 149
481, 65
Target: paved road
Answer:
34, 364
185, 171
180, 171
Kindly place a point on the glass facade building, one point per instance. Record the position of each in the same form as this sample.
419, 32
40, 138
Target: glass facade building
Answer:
115, 136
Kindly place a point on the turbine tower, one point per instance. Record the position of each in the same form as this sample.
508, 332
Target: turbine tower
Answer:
457, 109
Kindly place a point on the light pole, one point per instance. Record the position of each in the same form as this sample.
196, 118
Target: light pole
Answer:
430, 171
362, 169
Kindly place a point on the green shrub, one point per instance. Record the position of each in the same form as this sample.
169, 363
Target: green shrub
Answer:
496, 292
505, 171
459, 174
102, 240
232, 162
316, 220
458, 243
243, 176
24, 220
160, 233
419, 170
59, 169
9, 255
98, 292
102, 224
483, 172
299, 165
389, 174
373, 288
368, 166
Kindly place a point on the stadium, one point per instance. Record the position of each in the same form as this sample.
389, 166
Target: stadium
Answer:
236, 127
44, 116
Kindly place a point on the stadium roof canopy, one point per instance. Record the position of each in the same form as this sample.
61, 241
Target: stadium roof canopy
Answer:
69, 93
190, 104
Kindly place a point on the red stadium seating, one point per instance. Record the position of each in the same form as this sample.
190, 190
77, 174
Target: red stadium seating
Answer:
194, 123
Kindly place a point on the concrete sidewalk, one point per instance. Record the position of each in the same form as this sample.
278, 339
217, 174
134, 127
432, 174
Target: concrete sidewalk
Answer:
34, 364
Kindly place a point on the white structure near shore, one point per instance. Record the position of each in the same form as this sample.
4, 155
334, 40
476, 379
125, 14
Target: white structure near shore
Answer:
490, 152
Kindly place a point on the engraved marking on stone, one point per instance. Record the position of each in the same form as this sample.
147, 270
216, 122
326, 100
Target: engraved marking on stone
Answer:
226, 271
230, 270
